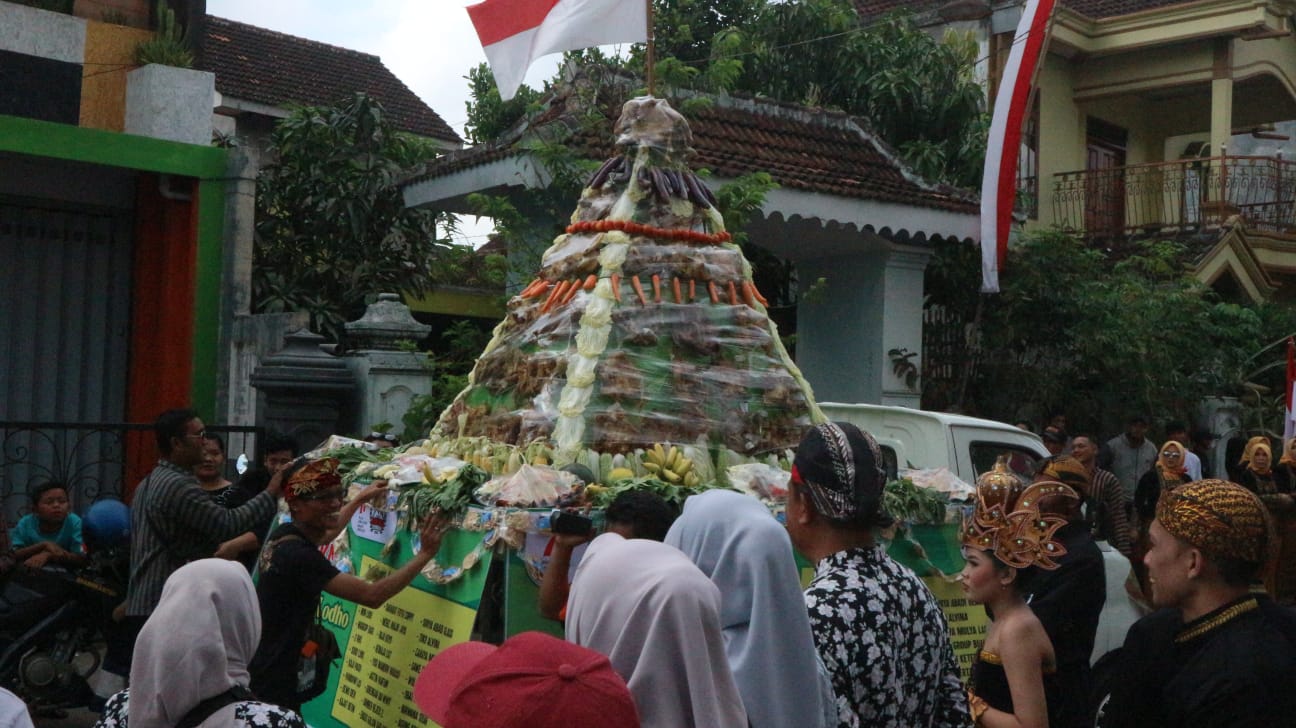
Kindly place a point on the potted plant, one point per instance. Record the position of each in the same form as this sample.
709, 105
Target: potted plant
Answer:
165, 97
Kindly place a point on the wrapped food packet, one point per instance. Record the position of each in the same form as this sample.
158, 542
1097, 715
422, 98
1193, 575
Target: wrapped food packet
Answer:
530, 487
761, 481
942, 481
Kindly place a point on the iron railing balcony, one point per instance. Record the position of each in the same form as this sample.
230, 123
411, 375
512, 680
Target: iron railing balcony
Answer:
1180, 196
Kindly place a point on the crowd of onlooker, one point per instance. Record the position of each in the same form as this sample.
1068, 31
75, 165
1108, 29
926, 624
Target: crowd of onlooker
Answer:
698, 618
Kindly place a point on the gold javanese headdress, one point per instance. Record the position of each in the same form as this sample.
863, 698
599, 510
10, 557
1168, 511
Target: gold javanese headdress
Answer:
1007, 520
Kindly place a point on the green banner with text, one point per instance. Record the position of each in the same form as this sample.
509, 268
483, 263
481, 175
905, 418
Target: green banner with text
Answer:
383, 649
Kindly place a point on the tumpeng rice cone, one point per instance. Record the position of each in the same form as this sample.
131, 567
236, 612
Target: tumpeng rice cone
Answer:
642, 325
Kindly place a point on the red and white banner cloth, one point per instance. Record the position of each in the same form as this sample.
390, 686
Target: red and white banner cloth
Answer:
1012, 104
1289, 401
514, 33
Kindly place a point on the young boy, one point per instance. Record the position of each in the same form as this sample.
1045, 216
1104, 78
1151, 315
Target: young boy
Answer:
51, 533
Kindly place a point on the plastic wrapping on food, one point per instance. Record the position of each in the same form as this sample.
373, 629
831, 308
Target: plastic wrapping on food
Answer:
531, 486
420, 469
761, 481
333, 443
942, 481
643, 324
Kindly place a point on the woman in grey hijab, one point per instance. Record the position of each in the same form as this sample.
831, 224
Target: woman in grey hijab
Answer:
657, 618
195, 647
735, 541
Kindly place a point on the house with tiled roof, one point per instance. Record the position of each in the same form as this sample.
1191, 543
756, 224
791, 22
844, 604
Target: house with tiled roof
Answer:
847, 211
127, 234
1158, 118
113, 220
261, 74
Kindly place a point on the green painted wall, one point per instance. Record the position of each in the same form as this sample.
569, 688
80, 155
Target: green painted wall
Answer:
95, 146
211, 234
207, 164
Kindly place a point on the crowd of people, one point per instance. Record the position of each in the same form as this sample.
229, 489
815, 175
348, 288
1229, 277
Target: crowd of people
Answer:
698, 618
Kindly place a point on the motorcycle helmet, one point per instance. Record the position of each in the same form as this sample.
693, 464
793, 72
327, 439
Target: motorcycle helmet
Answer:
106, 524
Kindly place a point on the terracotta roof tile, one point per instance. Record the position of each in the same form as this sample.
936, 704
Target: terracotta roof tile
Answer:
803, 149
276, 69
1114, 8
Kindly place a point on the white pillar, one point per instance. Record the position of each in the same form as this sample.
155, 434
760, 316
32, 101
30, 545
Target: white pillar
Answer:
1221, 125
902, 321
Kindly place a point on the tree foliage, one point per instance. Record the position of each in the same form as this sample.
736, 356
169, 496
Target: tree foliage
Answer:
918, 93
332, 228
488, 115
459, 346
1102, 338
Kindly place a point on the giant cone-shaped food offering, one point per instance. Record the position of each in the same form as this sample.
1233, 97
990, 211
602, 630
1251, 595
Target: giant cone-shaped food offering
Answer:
642, 325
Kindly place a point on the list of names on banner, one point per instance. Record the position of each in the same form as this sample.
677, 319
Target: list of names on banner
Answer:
388, 647
967, 621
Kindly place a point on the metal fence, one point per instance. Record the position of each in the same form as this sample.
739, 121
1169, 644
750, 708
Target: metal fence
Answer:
90, 457
945, 356
1176, 196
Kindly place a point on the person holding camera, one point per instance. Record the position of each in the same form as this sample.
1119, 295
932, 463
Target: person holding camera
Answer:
633, 514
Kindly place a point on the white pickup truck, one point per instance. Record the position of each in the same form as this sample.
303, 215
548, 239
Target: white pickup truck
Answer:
968, 446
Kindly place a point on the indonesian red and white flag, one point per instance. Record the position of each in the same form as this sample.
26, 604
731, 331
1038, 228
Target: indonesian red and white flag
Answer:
1289, 401
1012, 104
514, 33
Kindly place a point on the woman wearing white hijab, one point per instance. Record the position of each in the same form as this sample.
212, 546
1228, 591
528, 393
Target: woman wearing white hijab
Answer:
735, 541
195, 646
657, 618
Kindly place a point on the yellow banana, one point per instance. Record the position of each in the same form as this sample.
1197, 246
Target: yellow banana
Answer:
691, 480
671, 476
660, 452
652, 467
672, 457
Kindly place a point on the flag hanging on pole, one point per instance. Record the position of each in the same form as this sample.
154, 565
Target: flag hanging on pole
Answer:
514, 33
1289, 400
1012, 103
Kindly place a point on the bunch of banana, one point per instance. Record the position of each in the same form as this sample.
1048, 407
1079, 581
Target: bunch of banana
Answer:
670, 465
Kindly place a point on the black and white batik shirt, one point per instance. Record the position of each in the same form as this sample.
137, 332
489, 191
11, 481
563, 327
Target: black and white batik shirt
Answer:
885, 643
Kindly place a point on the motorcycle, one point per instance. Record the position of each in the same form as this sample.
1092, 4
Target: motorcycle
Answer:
55, 623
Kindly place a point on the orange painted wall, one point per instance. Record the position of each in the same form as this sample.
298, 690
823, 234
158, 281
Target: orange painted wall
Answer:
162, 312
109, 55
130, 12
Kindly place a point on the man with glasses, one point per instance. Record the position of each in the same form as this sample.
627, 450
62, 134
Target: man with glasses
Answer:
174, 521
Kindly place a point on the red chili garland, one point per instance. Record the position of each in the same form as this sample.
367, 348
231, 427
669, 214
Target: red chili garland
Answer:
635, 228
560, 293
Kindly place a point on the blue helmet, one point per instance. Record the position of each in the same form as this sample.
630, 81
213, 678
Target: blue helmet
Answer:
107, 523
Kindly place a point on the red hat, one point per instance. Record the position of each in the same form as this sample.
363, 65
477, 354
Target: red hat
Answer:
533, 680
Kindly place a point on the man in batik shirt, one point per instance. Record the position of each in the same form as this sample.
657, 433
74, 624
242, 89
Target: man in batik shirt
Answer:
878, 628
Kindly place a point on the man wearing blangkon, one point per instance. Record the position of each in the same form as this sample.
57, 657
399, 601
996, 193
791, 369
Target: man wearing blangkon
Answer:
173, 520
879, 630
1216, 655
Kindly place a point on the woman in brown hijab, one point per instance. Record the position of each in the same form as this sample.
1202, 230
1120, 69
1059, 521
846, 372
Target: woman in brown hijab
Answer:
1170, 473
1260, 477
1284, 473
1273, 485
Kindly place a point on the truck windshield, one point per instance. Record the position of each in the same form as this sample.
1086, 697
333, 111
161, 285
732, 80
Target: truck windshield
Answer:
1020, 460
